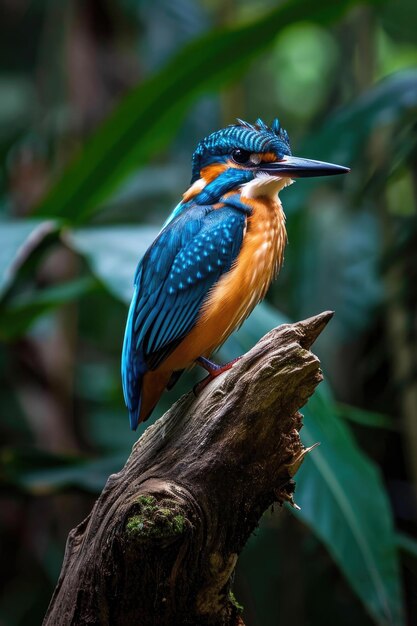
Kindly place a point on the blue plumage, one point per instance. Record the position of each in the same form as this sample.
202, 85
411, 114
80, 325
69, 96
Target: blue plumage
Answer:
172, 281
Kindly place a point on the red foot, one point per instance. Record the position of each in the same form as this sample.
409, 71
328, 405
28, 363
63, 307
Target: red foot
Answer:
214, 371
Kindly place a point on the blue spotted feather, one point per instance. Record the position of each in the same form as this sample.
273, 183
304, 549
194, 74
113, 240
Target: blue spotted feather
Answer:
172, 281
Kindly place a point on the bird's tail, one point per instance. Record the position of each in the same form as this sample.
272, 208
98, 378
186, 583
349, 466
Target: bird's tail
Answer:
133, 369
134, 415
150, 388
133, 399
142, 388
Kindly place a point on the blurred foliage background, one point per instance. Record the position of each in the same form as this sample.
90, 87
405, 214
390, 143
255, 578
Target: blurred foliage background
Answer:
102, 104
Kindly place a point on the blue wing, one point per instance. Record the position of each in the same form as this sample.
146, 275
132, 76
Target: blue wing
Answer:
172, 281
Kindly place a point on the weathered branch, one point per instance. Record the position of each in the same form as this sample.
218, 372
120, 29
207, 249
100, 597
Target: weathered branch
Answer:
161, 543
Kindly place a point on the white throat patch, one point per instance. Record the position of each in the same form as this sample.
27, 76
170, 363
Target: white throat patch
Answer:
265, 185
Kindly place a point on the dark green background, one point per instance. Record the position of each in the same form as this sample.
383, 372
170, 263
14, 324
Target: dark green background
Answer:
102, 103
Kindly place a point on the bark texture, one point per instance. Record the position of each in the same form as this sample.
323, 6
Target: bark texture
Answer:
161, 543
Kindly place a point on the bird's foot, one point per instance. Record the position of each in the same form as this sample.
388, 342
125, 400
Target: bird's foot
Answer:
213, 369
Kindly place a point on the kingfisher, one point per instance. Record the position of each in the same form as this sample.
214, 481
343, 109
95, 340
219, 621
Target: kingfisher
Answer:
213, 260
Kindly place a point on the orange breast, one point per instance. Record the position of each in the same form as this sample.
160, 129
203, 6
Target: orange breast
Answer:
237, 292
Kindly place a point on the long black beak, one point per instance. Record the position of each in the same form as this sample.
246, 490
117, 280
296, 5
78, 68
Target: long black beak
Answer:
296, 167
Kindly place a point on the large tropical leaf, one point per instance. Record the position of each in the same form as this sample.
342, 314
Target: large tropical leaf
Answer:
369, 419
345, 135
113, 253
18, 239
343, 500
38, 472
334, 260
17, 316
407, 544
148, 117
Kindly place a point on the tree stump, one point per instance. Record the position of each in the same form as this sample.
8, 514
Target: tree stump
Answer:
162, 541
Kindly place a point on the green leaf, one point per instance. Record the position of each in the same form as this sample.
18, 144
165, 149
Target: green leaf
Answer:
108, 429
18, 239
334, 259
89, 476
18, 315
388, 102
343, 500
148, 117
38, 472
113, 253
407, 544
365, 418
399, 20
262, 319
392, 101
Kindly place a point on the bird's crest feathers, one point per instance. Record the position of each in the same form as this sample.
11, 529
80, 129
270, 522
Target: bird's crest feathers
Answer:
260, 125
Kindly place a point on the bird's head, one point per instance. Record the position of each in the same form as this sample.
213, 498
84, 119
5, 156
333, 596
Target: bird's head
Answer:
242, 153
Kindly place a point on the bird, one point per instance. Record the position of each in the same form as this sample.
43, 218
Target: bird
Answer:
213, 260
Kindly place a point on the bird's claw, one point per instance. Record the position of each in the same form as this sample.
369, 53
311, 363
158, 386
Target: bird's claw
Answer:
214, 371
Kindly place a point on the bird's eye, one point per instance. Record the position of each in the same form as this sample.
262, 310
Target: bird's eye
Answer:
240, 156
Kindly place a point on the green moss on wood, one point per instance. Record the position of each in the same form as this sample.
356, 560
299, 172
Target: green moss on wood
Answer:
236, 604
135, 524
155, 520
179, 523
146, 501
